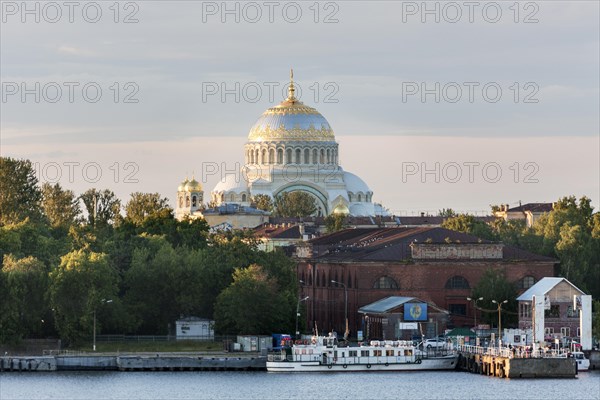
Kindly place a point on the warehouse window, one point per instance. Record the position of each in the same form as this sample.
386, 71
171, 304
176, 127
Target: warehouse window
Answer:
385, 282
457, 282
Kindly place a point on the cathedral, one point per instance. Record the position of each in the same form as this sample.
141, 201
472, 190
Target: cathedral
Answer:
290, 148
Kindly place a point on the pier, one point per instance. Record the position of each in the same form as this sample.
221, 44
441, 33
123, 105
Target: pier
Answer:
515, 363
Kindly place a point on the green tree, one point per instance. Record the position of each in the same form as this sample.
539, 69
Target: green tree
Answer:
20, 195
61, 207
142, 206
263, 202
252, 304
493, 285
27, 238
447, 213
568, 232
103, 207
24, 310
335, 222
294, 204
469, 224
78, 287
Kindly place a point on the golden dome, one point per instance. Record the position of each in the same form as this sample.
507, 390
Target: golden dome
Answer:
341, 209
181, 186
193, 186
291, 120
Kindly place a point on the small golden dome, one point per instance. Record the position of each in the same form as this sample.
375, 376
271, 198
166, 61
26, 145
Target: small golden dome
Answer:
181, 186
341, 209
193, 186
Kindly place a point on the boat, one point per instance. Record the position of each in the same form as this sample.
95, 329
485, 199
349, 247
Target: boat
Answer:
583, 364
326, 354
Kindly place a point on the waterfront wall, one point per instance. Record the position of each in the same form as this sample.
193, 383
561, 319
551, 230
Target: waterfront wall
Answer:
158, 362
506, 367
25, 364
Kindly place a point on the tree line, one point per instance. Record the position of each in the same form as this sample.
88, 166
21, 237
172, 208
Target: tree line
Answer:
68, 257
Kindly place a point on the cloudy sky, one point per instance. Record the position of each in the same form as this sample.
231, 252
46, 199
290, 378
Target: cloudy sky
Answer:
435, 105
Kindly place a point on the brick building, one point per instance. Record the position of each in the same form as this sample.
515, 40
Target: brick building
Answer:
435, 264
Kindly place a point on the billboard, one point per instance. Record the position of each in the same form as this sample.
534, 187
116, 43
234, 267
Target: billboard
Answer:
415, 312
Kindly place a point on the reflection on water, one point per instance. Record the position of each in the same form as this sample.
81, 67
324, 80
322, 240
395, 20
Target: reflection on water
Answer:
262, 385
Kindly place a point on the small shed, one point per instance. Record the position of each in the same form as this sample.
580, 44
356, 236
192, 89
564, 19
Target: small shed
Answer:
397, 317
194, 328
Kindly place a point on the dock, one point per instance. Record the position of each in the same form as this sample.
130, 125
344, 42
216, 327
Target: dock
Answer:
508, 363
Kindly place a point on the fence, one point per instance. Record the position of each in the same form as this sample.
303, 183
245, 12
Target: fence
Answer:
159, 338
515, 352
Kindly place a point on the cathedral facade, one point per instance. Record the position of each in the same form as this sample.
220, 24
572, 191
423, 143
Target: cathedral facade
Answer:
290, 148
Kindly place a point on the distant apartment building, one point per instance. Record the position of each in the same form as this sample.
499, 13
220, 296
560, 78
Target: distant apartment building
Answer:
530, 212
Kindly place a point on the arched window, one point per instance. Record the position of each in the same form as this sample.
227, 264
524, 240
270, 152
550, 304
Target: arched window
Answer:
298, 156
306, 156
328, 156
244, 197
280, 156
322, 160
251, 157
194, 201
256, 156
180, 201
315, 157
232, 197
359, 197
187, 201
385, 282
318, 281
264, 156
272, 156
288, 156
526, 282
457, 282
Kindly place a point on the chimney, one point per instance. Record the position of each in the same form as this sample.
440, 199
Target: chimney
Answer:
422, 214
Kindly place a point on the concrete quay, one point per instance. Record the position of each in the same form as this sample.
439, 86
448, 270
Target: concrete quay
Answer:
502, 363
139, 362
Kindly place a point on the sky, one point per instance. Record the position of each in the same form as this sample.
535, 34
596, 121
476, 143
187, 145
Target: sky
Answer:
435, 104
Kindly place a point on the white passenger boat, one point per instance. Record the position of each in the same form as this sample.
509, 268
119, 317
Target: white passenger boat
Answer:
324, 353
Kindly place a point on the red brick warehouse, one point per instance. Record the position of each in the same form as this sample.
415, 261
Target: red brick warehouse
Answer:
434, 264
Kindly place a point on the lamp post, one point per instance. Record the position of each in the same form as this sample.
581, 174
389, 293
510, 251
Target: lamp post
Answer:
103, 301
298, 313
475, 311
345, 305
499, 303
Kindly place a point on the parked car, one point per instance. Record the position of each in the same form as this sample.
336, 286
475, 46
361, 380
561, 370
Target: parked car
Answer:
435, 342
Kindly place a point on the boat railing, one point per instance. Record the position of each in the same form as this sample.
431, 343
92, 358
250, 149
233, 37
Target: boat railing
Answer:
513, 352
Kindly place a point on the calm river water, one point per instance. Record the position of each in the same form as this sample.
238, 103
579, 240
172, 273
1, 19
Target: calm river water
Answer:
263, 386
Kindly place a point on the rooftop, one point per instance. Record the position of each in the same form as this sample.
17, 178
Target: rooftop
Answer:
393, 244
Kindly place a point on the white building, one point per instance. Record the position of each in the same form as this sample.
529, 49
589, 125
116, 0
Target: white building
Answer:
290, 148
194, 328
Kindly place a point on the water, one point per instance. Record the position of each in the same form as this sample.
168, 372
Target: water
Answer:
263, 386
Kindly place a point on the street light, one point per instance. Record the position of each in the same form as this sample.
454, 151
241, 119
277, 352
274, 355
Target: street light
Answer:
475, 311
103, 301
345, 305
499, 318
298, 314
